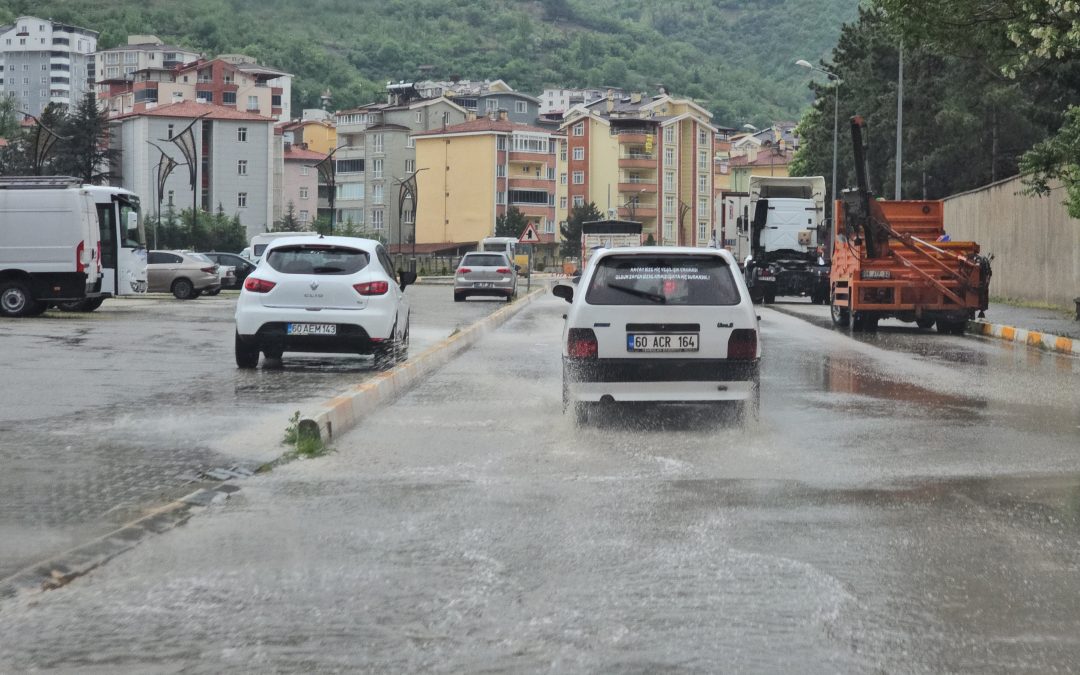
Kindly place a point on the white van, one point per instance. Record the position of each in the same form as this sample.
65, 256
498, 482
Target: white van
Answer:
50, 244
259, 242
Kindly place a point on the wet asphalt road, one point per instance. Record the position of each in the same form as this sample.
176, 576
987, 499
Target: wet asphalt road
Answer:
907, 503
104, 415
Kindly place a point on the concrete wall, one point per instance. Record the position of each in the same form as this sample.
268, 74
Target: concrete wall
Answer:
1036, 245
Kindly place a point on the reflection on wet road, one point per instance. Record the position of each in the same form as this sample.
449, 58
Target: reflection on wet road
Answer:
892, 511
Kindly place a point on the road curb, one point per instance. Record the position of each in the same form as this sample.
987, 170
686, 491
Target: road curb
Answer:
62, 569
1032, 338
345, 411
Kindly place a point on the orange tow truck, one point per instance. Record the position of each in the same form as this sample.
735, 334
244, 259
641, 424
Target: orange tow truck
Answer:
890, 259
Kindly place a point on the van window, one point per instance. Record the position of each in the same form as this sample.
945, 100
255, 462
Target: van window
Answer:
662, 280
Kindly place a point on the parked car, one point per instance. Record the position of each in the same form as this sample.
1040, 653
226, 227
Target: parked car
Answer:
241, 267
485, 273
324, 294
185, 275
664, 325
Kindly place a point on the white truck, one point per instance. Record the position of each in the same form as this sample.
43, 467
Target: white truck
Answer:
601, 234
50, 244
781, 238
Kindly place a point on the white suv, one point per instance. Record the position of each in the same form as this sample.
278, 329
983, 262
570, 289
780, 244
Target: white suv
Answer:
324, 294
667, 325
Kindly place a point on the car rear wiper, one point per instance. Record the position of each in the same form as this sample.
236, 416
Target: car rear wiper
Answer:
327, 270
658, 299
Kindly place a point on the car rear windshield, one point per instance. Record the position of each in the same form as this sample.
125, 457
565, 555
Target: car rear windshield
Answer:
317, 259
485, 260
662, 280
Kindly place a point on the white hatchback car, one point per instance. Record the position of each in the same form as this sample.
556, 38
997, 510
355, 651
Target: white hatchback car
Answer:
324, 294
664, 325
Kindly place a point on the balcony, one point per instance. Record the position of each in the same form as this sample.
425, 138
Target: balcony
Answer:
637, 160
523, 183
633, 136
638, 187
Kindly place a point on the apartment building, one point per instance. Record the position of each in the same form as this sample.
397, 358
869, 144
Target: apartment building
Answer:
232, 81
44, 61
300, 183
376, 153
116, 67
645, 159
235, 162
474, 172
560, 101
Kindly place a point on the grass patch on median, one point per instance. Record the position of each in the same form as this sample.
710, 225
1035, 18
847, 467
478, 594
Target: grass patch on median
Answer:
304, 443
1032, 304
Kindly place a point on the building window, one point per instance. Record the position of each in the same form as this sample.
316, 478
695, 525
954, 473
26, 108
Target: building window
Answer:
702, 232
376, 168
170, 200
562, 150
410, 143
669, 204
579, 129
669, 181
419, 116
169, 136
669, 134
500, 170
253, 103
669, 156
228, 98
521, 107
241, 167
407, 216
491, 105
304, 170
702, 137
445, 118
377, 143
410, 166
549, 226
703, 160
579, 154
703, 183
703, 207
669, 230
551, 173
241, 200
377, 219
241, 134
500, 143
376, 194
350, 191
500, 197
579, 200
304, 216
579, 178
303, 193
562, 202
350, 166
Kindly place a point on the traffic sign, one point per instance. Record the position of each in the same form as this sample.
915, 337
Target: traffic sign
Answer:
529, 236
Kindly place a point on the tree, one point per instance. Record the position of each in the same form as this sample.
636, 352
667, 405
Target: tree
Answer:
84, 150
571, 230
289, 222
510, 224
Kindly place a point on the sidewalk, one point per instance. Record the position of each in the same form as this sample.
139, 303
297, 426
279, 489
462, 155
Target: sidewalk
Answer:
1048, 328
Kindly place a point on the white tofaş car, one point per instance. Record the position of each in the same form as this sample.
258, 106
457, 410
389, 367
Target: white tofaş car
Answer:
324, 294
660, 325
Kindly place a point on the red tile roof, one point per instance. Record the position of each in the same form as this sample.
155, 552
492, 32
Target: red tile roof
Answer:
302, 154
192, 109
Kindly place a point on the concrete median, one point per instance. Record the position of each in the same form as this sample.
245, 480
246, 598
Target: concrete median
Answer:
345, 411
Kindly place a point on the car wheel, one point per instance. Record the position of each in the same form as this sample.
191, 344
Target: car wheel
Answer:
183, 289
459, 297
247, 356
841, 316
213, 292
403, 345
385, 351
510, 298
15, 298
770, 297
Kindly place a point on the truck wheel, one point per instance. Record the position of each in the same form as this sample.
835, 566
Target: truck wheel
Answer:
183, 289
862, 321
247, 356
770, 297
841, 316
36, 309
15, 298
925, 324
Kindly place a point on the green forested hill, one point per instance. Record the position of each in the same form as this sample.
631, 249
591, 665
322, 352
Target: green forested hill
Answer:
734, 56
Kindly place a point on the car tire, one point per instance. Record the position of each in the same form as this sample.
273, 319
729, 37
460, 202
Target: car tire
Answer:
459, 297
510, 298
385, 352
15, 299
770, 297
183, 289
247, 356
403, 345
213, 292
582, 411
841, 316
36, 309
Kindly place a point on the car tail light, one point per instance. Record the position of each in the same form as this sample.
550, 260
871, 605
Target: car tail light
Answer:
503, 270
372, 288
79, 265
256, 285
210, 270
463, 270
742, 345
581, 343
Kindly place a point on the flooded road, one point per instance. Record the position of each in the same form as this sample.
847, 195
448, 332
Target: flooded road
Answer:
910, 507
103, 415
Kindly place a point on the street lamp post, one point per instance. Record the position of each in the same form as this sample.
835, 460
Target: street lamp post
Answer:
836, 118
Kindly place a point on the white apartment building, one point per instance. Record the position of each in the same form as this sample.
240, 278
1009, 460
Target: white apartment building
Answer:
45, 61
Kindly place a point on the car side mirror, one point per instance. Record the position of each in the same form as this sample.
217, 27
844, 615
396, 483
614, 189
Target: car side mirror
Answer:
563, 291
406, 278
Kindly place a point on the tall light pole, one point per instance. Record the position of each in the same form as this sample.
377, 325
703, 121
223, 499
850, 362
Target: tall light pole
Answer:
899, 118
836, 120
